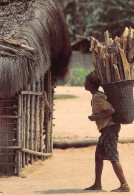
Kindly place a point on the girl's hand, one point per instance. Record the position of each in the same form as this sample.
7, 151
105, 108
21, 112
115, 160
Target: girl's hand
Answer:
92, 117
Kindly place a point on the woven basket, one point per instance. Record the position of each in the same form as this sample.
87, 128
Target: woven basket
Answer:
120, 95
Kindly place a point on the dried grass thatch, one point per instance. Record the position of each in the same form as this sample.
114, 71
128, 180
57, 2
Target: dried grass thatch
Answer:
39, 24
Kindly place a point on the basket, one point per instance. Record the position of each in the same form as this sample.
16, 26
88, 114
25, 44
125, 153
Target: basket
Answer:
120, 95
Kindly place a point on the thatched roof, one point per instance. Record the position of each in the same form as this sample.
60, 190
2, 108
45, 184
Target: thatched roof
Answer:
81, 44
40, 25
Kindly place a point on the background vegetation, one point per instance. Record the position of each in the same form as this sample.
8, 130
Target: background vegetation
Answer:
94, 17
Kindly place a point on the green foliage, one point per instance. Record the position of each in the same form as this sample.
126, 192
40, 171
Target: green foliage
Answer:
93, 17
64, 96
77, 76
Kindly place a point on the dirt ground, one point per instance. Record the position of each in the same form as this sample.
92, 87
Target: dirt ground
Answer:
70, 171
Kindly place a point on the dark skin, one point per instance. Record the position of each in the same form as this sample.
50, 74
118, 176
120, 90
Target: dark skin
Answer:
99, 162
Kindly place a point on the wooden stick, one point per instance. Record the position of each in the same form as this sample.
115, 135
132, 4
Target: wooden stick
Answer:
111, 66
42, 108
95, 65
22, 129
32, 124
102, 64
10, 147
126, 65
116, 71
49, 118
106, 36
17, 43
124, 39
130, 37
31, 93
120, 66
130, 54
10, 116
47, 103
27, 124
18, 136
132, 70
108, 74
24, 132
36, 153
36, 123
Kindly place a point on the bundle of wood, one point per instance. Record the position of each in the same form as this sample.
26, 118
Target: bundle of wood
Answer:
114, 59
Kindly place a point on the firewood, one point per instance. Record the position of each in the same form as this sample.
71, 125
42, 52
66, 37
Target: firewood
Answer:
118, 40
111, 66
96, 66
106, 36
126, 65
130, 37
130, 54
112, 50
116, 73
102, 61
132, 70
124, 38
113, 59
111, 42
120, 66
92, 44
108, 74
100, 72
125, 33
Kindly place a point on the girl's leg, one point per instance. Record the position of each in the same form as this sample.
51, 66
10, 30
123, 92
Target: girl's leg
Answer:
119, 173
98, 169
98, 173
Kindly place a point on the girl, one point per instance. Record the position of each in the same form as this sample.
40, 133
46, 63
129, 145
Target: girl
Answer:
106, 148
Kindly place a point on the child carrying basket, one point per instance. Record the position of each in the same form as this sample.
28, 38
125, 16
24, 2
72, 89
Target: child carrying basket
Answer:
114, 70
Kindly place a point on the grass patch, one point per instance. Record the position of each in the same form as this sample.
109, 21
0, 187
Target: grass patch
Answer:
64, 96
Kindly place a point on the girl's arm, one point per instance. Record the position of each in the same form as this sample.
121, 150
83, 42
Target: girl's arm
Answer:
102, 115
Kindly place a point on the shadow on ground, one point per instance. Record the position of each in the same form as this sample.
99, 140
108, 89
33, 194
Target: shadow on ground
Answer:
65, 191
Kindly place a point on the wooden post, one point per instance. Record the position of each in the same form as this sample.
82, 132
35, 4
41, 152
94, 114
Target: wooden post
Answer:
18, 136
32, 124
27, 124
49, 117
42, 107
36, 121
24, 129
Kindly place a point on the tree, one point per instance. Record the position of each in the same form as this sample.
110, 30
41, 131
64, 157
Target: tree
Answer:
93, 17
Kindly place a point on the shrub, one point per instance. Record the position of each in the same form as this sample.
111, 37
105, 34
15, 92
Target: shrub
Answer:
77, 76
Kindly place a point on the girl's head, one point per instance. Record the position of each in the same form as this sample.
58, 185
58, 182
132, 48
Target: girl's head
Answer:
92, 82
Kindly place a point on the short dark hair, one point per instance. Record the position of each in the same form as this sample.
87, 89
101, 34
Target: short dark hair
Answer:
93, 79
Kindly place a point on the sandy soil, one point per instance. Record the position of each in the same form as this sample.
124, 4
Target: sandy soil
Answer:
71, 170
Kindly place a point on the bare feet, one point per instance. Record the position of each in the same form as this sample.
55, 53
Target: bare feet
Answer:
94, 187
123, 188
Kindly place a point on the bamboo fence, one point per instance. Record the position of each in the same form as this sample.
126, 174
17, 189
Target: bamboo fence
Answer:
26, 130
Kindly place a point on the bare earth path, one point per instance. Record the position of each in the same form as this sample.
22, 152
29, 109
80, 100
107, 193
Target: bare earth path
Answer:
71, 170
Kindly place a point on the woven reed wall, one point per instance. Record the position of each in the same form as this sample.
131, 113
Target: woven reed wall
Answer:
26, 127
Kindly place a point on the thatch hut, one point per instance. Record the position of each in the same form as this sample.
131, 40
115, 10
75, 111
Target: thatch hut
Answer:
34, 53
